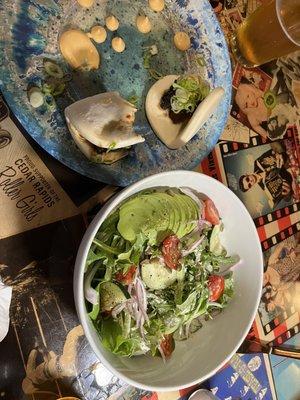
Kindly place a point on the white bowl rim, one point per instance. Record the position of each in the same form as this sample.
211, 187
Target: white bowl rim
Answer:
79, 274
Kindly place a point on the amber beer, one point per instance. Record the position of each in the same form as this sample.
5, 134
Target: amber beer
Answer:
272, 31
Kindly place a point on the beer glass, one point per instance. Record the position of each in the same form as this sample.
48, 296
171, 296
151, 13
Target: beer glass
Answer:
270, 32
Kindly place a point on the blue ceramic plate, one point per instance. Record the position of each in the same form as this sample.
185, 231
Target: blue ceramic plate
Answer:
29, 31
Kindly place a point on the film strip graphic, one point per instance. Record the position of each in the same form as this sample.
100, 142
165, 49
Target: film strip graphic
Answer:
232, 147
276, 215
286, 336
277, 324
279, 236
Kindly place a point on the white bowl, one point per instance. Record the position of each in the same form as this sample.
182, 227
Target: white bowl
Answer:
206, 351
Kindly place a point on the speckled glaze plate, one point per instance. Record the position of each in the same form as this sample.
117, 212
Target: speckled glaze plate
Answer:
29, 32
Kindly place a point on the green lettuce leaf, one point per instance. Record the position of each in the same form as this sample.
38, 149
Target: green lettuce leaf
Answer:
114, 340
93, 257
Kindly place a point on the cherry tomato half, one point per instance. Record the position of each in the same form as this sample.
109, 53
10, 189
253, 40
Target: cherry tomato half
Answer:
171, 252
126, 278
211, 214
167, 345
216, 286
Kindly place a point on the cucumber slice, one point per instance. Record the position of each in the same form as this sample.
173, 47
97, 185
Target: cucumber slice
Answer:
52, 69
215, 245
110, 295
156, 276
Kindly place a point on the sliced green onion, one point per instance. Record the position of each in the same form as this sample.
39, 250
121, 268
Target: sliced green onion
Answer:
200, 61
133, 100
155, 74
36, 97
111, 146
52, 69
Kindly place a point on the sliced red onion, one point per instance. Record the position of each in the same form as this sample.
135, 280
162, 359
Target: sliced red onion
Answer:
198, 229
180, 332
160, 259
130, 289
162, 354
187, 329
191, 248
192, 195
201, 224
138, 320
191, 234
118, 308
137, 304
148, 250
141, 297
90, 294
140, 325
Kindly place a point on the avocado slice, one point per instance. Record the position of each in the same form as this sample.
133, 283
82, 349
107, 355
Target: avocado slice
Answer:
156, 276
171, 214
144, 213
183, 216
160, 212
160, 218
175, 215
134, 215
110, 295
192, 207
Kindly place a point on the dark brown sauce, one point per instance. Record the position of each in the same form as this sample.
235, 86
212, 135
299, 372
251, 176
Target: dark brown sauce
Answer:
165, 103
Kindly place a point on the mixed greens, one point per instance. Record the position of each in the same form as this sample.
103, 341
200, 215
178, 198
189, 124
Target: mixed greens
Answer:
156, 270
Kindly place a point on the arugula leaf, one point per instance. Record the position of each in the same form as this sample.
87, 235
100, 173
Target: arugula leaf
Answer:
217, 261
105, 247
228, 291
138, 248
109, 228
188, 305
172, 323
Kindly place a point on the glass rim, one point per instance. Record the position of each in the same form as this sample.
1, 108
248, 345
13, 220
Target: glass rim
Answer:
278, 3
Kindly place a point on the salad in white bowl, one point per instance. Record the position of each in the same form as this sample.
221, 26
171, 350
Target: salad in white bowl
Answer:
156, 271
145, 320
